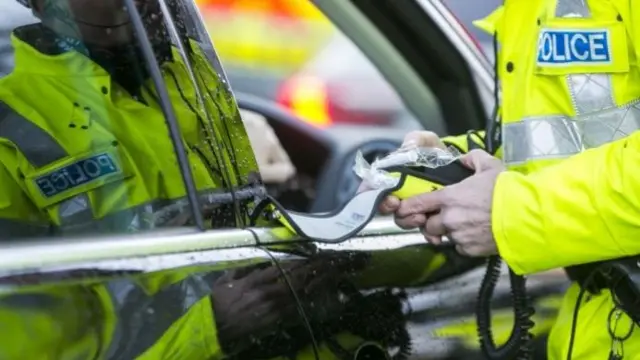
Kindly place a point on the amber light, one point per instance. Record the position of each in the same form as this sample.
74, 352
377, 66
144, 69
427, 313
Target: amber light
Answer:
307, 97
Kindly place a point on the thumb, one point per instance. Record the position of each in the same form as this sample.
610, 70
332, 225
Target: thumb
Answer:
424, 203
422, 138
480, 160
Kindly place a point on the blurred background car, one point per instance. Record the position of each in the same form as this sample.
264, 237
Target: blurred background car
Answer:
287, 51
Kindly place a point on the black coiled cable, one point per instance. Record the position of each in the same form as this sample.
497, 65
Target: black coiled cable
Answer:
518, 346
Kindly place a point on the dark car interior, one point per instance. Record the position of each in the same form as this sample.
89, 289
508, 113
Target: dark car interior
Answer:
323, 157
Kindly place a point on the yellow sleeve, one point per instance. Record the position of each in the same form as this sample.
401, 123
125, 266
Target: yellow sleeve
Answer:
461, 142
584, 209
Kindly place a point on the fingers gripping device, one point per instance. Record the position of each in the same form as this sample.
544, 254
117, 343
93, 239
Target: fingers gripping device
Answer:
406, 173
420, 179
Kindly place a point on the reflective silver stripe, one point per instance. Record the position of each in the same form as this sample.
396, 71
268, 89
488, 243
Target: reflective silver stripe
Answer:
561, 136
589, 92
133, 219
158, 213
136, 218
75, 210
35, 144
142, 319
572, 8
598, 120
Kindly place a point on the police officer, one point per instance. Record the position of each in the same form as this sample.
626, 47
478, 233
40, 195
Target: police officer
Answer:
84, 149
570, 80
274, 162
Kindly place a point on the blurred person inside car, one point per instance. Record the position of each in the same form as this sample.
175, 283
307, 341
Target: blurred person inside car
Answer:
273, 161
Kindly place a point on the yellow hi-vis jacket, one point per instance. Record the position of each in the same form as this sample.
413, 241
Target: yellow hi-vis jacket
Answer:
570, 77
79, 154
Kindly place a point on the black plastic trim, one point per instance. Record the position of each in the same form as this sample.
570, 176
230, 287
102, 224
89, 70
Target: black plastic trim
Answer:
433, 56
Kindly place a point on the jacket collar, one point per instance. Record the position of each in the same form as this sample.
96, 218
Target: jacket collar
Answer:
41, 51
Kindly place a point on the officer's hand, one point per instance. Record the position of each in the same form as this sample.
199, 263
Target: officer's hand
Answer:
462, 211
415, 138
254, 303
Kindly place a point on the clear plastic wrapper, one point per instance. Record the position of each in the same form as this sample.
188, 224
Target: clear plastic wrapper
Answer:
374, 175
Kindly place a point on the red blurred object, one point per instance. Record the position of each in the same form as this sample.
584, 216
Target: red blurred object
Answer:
307, 97
341, 86
291, 9
323, 103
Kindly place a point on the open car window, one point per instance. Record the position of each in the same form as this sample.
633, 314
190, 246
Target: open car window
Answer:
90, 140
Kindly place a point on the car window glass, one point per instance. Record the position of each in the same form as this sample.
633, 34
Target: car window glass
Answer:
85, 146
291, 53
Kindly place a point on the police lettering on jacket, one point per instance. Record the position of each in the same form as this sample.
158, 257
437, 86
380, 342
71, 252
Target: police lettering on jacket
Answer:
76, 174
562, 47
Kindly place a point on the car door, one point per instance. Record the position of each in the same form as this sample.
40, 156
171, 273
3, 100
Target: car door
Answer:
196, 278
